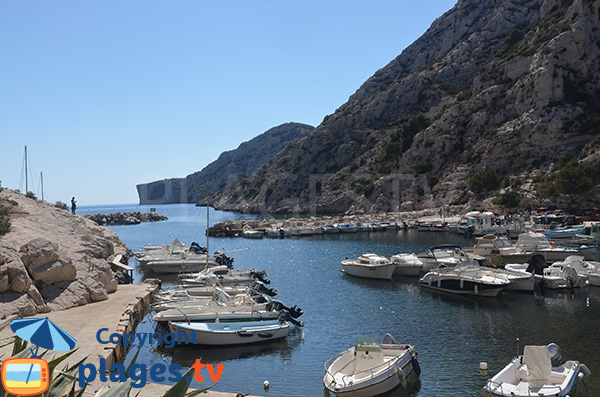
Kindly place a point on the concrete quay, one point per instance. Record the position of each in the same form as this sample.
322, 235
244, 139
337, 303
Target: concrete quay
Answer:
120, 313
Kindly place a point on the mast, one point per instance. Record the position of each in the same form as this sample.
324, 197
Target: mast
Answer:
207, 224
42, 183
26, 181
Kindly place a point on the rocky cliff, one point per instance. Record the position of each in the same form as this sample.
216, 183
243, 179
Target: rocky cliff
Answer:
497, 101
51, 259
231, 166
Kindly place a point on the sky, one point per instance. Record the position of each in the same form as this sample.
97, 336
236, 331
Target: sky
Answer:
109, 94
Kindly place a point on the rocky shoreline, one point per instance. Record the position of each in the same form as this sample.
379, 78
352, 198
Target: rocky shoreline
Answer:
126, 218
51, 259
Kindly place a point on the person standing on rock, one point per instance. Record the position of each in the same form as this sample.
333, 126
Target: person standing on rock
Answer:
73, 205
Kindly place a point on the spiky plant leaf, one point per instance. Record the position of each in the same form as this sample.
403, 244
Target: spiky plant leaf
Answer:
120, 390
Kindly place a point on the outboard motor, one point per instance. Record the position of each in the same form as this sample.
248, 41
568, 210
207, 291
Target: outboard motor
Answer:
294, 311
197, 249
262, 288
555, 356
537, 264
284, 315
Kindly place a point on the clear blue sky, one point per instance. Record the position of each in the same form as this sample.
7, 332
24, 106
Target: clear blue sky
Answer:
108, 94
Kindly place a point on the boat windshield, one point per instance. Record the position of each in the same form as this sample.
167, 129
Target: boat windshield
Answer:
368, 340
502, 243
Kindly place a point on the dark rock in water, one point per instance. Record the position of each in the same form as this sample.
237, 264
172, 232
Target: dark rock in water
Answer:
125, 218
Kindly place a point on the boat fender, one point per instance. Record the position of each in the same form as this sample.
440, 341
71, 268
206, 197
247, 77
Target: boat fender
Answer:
586, 371
415, 365
401, 377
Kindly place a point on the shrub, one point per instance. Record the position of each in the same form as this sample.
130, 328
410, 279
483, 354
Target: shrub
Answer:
4, 220
30, 195
485, 181
433, 180
61, 205
509, 199
573, 179
422, 167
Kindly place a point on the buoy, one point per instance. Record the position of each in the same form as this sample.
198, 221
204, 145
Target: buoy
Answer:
483, 367
266, 385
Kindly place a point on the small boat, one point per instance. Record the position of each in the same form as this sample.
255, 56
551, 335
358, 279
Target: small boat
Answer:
347, 228
369, 266
235, 333
591, 270
407, 264
371, 368
498, 251
465, 280
253, 233
538, 372
564, 232
538, 243
330, 230
300, 230
446, 255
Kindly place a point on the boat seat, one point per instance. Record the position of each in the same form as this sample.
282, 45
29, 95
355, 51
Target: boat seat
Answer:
367, 356
537, 367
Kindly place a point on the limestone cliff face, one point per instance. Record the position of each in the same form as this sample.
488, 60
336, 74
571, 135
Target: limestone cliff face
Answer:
508, 86
242, 161
52, 259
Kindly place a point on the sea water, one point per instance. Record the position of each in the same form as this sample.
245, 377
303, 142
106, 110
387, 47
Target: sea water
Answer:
452, 334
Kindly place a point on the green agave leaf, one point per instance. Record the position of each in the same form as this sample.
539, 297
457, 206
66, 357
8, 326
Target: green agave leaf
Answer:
198, 391
133, 360
63, 380
180, 388
120, 390
7, 341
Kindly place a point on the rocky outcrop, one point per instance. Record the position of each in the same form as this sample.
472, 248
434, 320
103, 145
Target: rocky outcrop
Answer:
126, 218
231, 166
502, 85
52, 259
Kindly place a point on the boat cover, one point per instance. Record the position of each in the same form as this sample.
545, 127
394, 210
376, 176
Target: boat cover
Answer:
539, 368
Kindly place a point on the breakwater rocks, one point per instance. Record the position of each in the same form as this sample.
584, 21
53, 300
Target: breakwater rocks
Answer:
281, 227
126, 218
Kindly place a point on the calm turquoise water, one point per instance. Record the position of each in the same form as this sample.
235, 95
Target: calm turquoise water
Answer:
452, 334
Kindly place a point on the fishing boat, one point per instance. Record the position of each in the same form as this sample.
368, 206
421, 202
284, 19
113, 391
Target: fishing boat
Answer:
465, 280
253, 233
231, 333
591, 270
498, 251
369, 266
564, 232
371, 367
538, 372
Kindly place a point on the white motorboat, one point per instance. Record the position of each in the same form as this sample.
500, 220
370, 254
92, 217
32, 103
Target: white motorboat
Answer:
498, 251
371, 367
347, 228
538, 372
446, 255
538, 243
253, 233
591, 270
369, 266
300, 230
465, 280
564, 232
231, 333
407, 264
478, 224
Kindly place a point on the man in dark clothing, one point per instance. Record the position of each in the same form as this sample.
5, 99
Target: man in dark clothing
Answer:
73, 205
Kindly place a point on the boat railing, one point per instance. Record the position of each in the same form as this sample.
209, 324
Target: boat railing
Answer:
372, 370
496, 386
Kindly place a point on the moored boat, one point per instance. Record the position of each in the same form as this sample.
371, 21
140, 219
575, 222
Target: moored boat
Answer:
369, 266
538, 372
465, 280
371, 368
231, 333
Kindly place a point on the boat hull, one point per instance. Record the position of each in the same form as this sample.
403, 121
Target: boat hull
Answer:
221, 334
382, 272
462, 287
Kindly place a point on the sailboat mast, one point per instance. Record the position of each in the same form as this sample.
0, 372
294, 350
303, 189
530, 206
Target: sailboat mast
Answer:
26, 181
42, 183
207, 224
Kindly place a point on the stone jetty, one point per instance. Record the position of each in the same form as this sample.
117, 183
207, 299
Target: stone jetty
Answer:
126, 218
235, 228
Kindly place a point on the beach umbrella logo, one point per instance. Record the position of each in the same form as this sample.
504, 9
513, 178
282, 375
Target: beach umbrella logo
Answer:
29, 376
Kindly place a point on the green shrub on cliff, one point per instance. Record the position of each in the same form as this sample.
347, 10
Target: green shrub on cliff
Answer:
4, 221
485, 181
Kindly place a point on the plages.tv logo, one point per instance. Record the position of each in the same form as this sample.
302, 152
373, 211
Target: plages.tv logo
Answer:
30, 376
140, 373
